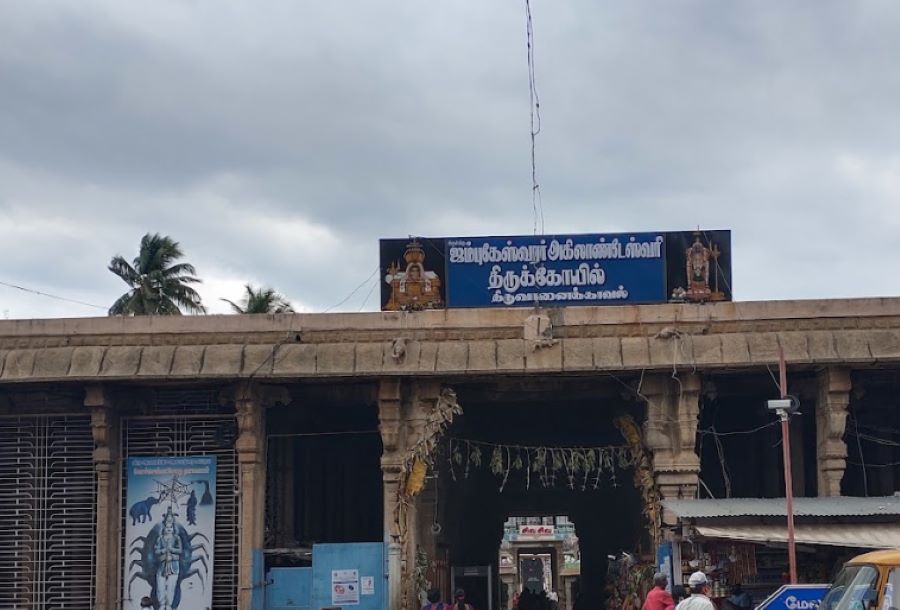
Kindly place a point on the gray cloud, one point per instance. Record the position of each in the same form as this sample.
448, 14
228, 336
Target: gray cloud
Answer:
279, 141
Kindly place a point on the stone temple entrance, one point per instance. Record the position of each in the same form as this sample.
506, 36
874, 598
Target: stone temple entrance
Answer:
511, 423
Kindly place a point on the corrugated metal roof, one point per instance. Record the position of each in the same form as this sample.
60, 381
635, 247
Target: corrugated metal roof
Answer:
855, 535
842, 506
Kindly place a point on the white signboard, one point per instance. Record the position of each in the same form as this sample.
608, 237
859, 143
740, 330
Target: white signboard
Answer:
345, 587
367, 584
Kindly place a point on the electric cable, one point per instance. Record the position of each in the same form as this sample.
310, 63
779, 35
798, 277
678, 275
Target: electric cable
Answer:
870, 465
713, 432
862, 459
52, 296
537, 204
369, 294
355, 290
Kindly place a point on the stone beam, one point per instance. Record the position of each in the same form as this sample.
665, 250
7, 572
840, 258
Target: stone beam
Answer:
831, 420
443, 351
105, 431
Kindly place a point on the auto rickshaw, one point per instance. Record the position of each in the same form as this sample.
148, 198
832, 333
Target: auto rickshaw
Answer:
867, 582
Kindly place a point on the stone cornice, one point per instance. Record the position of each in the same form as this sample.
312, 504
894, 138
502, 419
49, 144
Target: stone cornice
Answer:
857, 332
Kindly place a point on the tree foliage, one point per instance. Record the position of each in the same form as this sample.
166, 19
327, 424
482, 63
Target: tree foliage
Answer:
261, 300
159, 285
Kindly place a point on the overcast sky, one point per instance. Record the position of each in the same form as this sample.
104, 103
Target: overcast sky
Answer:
277, 141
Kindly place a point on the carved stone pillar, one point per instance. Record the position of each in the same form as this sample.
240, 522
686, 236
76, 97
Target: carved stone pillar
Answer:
250, 402
105, 430
658, 426
403, 412
831, 420
424, 398
670, 432
391, 428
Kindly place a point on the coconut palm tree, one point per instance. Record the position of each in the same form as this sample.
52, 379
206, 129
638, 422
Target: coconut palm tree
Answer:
261, 300
159, 285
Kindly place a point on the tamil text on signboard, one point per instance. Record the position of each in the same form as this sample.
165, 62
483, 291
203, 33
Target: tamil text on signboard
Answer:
586, 269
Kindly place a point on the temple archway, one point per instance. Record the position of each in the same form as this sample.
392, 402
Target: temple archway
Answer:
568, 419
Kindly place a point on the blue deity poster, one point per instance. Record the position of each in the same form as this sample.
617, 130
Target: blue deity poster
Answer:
169, 533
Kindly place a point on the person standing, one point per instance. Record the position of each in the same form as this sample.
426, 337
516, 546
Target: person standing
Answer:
459, 601
434, 601
699, 600
740, 599
678, 594
659, 598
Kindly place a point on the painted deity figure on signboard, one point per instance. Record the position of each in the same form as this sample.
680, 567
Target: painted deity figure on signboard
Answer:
698, 259
168, 551
414, 288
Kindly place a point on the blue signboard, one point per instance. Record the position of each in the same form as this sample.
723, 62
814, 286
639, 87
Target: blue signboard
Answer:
664, 562
170, 532
573, 270
795, 597
555, 270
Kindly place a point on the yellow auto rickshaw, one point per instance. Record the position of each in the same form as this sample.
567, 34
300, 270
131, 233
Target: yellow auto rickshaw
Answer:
867, 582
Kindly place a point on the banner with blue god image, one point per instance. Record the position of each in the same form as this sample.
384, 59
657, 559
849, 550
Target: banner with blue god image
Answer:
169, 533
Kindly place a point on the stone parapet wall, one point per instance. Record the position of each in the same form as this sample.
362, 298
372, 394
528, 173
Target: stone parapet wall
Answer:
448, 343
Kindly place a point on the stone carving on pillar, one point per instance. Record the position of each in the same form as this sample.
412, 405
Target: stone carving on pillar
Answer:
831, 421
104, 430
673, 408
539, 332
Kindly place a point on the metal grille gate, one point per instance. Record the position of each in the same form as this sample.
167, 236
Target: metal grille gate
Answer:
47, 513
194, 424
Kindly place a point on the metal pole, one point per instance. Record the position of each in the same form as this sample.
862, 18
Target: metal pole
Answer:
788, 472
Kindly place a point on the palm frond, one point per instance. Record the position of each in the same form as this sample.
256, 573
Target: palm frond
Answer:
185, 297
183, 271
122, 306
121, 268
234, 306
168, 307
261, 301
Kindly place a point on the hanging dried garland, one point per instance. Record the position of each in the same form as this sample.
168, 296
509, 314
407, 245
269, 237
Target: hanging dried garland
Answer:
643, 475
420, 456
416, 461
579, 468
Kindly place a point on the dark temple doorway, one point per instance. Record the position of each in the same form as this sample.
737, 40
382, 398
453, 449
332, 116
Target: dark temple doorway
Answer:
606, 511
324, 483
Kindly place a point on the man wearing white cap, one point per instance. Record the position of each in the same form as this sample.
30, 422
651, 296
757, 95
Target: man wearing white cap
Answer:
698, 600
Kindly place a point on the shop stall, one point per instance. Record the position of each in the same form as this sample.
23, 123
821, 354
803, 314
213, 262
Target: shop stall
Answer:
743, 541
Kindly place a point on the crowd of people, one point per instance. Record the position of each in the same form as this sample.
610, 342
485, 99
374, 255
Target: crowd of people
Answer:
659, 597
527, 600
695, 598
459, 601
